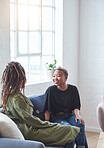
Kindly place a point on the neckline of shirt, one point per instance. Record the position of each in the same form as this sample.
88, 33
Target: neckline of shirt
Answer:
61, 90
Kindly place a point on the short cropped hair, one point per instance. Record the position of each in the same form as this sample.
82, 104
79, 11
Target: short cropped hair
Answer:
63, 69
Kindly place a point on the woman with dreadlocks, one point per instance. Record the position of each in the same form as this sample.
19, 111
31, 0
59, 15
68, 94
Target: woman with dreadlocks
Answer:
19, 108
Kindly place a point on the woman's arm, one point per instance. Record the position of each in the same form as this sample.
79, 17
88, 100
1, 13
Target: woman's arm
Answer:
47, 116
21, 112
78, 117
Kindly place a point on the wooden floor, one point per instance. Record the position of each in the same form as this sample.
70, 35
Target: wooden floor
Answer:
92, 139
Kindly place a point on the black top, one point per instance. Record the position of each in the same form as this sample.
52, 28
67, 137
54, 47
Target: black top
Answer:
62, 101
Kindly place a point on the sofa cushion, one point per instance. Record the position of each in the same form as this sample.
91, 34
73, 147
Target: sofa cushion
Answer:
8, 129
38, 102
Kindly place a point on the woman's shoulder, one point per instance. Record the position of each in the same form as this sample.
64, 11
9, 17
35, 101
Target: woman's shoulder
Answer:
16, 97
73, 87
50, 88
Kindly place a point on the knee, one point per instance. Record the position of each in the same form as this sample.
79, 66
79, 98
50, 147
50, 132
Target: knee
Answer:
78, 124
82, 129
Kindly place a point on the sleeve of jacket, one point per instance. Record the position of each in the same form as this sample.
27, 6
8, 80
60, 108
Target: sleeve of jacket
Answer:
22, 113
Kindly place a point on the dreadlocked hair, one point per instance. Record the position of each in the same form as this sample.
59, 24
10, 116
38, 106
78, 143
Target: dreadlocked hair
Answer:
13, 80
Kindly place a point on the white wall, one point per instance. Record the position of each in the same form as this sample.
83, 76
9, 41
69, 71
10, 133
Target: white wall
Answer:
91, 78
4, 34
83, 53
71, 38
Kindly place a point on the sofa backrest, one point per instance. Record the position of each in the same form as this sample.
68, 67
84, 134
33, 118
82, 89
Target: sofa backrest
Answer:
38, 101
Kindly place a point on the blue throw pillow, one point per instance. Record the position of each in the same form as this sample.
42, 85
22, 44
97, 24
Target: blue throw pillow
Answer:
38, 102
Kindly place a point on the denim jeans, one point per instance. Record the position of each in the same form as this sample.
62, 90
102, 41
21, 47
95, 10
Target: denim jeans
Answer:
69, 145
66, 119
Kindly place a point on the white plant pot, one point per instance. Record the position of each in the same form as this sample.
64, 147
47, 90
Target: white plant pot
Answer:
50, 74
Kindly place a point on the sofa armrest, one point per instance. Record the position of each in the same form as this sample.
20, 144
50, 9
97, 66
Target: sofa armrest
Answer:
100, 115
16, 143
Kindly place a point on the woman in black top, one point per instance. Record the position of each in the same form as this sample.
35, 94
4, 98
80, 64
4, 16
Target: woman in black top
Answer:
63, 104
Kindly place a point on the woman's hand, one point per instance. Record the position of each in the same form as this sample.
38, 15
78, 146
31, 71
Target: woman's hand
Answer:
80, 119
47, 116
58, 124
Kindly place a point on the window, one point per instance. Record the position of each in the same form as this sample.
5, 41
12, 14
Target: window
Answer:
36, 35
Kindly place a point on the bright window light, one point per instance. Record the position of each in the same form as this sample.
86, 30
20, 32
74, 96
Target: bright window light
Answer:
36, 35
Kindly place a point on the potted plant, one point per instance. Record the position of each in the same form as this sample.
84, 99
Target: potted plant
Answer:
50, 69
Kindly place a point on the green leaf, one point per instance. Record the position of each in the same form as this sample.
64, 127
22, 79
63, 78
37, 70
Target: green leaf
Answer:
51, 66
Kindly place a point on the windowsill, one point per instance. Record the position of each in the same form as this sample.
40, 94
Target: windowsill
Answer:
39, 82
37, 88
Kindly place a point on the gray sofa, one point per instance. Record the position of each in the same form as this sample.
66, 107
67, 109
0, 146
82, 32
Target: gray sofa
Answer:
16, 143
38, 101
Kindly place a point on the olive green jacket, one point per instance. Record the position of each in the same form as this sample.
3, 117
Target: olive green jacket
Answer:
20, 110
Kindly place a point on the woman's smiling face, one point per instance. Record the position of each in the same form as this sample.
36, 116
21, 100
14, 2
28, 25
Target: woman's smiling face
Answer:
59, 78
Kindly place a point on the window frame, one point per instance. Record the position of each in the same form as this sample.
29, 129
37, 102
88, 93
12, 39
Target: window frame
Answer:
16, 33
